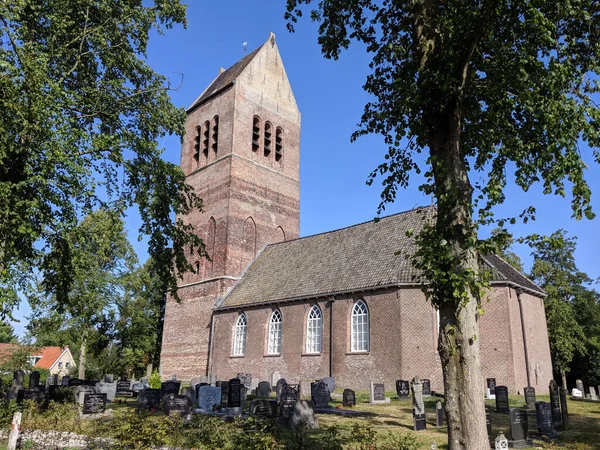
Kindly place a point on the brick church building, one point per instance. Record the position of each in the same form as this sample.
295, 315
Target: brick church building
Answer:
334, 304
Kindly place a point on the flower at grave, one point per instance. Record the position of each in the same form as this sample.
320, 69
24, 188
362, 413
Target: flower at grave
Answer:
152, 410
501, 442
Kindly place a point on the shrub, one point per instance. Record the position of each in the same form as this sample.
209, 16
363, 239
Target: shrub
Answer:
154, 380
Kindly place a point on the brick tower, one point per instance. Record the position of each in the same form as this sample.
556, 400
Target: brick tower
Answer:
241, 154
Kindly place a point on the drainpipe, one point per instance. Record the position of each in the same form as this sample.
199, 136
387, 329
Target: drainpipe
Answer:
519, 291
331, 336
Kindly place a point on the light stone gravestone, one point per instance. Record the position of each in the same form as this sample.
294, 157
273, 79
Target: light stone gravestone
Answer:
576, 393
330, 382
263, 389
109, 378
593, 394
246, 380
209, 398
80, 390
303, 414
378, 393
529, 394
108, 388
275, 377
419, 422
579, 385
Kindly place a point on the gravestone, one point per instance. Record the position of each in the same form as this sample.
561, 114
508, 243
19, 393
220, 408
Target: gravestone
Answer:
402, 389
92, 403
576, 393
34, 380
245, 380
491, 385
188, 392
563, 407
263, 409
149, 398
278, 388
555, 405
181, 404
275, 377
83, 390
65, 380
142, 384
348, 398
593, 393
426, 387
439, 416
76, 382
529, 394
123, 388
170, 387
263, 389
488, 422
330, 382
303, 414
289, 397
579, 385
174, 377
12, 392
320, 395
243, 395
377, 393
502, 399
52, 380
304, 388
40, 398
224, 386
416, 387
209, 398
234, 395
197, 389
109, 378
110, 389
519, 427
543, 417
18, 378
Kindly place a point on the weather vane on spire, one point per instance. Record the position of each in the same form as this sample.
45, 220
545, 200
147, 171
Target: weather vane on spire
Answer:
245, 44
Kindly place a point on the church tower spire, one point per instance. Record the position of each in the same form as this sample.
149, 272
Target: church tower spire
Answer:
241, 154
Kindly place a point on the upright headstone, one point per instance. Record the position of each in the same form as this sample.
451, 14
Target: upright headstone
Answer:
576, 393
234, 395
275, 377
377, 393
263, 409
209, 398
439, 414
593, 394
34, 380
263, 389
543, 417
303, 414
110, 389
18, 378
123, 388
245, 380
416, 387
197, 388
563, 408
279, 387
12, 393
426, 387
224, 386
52, 380
181, 404
320, 395
402, 389
348, 398
555, 405
491, 385
149, 399
170, 387
92, 403
529, 394
502, 399
519, 427
289, 397
579, 385
330, 382
65, 380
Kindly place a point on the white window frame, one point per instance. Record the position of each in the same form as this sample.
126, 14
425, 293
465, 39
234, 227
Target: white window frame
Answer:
275, 329
359, 327
239, 335
314, 330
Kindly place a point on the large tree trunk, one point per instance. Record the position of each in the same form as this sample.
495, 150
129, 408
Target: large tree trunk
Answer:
82, 349
458, 344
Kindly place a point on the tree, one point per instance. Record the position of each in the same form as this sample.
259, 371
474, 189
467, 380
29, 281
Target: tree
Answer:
7, 333
481, 86
101, 257
80, 116
504, 242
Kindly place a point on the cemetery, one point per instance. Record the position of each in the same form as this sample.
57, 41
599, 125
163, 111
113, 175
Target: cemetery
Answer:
242, 413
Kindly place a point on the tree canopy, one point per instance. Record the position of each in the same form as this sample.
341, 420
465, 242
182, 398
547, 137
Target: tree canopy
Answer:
81, 114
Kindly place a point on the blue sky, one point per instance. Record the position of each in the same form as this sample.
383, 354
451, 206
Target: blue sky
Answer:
329, 94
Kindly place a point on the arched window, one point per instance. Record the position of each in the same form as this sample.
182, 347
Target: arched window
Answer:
215, 134
255, 134
197, 267
314, 327
274, 347
360, 327
278, 144
239, 336
197, 144
267, 144
205, 140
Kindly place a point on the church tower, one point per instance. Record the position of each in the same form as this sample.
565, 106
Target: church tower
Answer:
241, 153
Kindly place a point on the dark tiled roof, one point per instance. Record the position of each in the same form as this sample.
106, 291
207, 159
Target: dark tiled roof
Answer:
356, 258
225, 79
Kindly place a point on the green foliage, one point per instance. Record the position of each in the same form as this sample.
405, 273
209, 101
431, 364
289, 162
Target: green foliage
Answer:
81, 114
7, 333
19, 359
154, 380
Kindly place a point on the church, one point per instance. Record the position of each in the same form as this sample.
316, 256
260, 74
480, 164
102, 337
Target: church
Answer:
339, 303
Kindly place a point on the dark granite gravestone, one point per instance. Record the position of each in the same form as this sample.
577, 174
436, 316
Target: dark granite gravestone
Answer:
439, 414
124, 388
245, 380
76, 382
402, 389
419, 422
181, 404
234, 395
17, 384
40, 398
502, 399
18, 378
543, 417
34, 380
529, 394
224, 385
170, 387
289, 397
149, 398
426, 387
491, 385
93, 404
519, 427
278, 388
65, 380
320, 395
348, 398
263, 389
555, 405
488, 422
264, 409
564, 411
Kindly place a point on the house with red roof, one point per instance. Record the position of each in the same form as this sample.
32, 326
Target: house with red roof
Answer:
57, 360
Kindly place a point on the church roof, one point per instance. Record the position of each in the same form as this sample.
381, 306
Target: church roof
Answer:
359, 257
